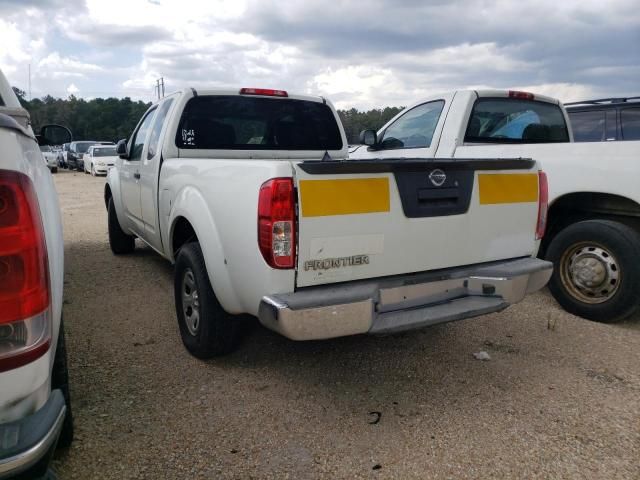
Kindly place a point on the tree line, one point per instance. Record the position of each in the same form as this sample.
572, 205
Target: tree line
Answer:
115, 118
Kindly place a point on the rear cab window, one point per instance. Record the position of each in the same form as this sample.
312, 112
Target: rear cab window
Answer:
256, 123
509, 120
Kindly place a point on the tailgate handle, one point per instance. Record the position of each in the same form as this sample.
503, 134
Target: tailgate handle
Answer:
427, 194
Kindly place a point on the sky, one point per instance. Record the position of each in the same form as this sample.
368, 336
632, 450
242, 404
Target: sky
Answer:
365, 55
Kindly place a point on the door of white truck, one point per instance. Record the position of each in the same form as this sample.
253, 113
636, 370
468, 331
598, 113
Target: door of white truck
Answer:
149, 171
129, 173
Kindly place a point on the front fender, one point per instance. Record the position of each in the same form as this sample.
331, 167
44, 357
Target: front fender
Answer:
190, 204
113, 184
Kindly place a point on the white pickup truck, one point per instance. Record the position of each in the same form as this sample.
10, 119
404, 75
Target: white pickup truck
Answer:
35, 412
594, 201
252, 195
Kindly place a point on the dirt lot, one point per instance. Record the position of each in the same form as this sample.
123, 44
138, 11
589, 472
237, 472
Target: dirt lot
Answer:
560, 397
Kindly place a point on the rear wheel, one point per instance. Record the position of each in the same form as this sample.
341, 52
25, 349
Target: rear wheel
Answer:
54, 170
206, 329
119, 241
60, 380
596, 271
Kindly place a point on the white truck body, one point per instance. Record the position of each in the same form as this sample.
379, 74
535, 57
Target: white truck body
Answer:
26, 396
372, 255
586, 180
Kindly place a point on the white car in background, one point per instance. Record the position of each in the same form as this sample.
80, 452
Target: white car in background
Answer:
50, 158
99, 159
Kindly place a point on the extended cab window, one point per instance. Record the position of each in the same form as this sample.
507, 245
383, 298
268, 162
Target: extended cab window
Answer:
508, 120
254, 123
630, 120
415, 128
154, 139
588, 126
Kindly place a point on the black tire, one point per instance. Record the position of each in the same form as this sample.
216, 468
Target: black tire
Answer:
54, 170
217, 332
60, 381
119, 241
619, 293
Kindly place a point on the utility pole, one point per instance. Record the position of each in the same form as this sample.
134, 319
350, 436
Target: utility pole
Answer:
159, 88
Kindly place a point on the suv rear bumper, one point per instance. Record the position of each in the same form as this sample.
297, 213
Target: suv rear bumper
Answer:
405, 302
26, 445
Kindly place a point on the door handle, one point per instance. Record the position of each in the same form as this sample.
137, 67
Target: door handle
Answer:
136, 176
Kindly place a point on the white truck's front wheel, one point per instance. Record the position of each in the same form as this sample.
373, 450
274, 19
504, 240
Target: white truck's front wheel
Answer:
206, 329
596, 271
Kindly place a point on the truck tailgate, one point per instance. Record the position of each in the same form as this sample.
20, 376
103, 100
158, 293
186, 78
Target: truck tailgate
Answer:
362, 219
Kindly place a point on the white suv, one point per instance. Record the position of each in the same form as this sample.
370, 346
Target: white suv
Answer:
35, 412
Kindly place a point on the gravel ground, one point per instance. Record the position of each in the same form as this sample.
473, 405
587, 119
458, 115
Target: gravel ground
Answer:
559, 398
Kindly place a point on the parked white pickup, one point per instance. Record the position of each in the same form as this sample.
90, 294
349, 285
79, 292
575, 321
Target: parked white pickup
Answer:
252, 195
594, 201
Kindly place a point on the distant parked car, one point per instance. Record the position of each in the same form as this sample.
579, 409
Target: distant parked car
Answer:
605, 120
76, 153
50, 158
99, 158
62, 155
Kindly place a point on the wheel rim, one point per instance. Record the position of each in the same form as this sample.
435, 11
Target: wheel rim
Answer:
190, 302
590, 273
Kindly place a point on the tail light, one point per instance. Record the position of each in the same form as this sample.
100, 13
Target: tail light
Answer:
276, 223
269, 92
543, 204
521, 95
25, 324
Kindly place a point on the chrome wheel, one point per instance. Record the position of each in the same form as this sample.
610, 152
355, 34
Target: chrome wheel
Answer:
590, 273
190, 302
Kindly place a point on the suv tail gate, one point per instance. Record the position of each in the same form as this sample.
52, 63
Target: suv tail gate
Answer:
362, 219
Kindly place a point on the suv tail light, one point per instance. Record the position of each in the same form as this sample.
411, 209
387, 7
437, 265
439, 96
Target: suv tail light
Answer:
543, 204
25, 324
277, 223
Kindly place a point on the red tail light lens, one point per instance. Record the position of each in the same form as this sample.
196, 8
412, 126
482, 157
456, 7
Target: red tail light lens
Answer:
263, 91
543, 204
521, 95
24, 276
276, 223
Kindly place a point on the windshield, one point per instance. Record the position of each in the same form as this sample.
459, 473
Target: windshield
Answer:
507, 120
82, 147
104, 152
242, 123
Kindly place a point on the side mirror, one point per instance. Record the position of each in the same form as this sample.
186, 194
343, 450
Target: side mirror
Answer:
121, 149
368, 137
54, 135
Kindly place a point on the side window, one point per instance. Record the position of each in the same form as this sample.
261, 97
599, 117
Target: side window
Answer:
415, 128
507, 120
137, 145
630, 120
157, 128
588, 126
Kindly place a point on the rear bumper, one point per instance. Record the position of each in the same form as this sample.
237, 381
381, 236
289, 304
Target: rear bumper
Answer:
406, 302
26, 445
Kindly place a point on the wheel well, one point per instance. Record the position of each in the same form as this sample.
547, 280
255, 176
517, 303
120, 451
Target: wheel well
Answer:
183, 233
578, 206
107, 195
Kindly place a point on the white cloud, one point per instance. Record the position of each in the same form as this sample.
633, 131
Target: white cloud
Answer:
72, 89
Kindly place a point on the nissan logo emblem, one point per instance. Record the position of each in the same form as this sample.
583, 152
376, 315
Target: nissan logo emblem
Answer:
437, 177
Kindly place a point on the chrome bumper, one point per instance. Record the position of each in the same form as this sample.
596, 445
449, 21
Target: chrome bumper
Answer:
28, 444
406, 302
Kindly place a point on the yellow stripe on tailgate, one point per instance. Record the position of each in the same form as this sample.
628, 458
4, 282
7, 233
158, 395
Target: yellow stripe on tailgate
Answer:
344, 197
507, 188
